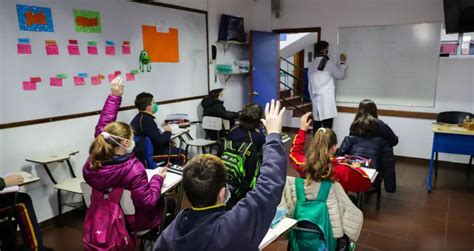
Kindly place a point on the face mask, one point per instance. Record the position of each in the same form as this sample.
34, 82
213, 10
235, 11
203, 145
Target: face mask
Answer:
227, 194
155, 107
129, 149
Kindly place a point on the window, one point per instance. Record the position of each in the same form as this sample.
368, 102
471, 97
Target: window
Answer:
456, 44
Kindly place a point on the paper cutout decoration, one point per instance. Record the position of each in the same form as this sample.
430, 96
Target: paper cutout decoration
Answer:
162, 47
117, 73
73, 48
87, 21
95, 80
57, 82
144, 61
23, 48
34, 18
126, 50
35, 79
82, 75
51, 48
134, 71
92, 50
29, 86
130, 77
110, 50
79, 81
61, 75
23, 40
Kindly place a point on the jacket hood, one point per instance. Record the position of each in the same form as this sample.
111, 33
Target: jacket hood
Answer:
209, 101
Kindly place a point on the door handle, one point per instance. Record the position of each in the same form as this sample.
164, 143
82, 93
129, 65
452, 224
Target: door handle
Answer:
253, 93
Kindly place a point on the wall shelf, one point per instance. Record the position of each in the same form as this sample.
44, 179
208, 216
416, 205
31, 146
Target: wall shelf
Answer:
228, 44
230, 74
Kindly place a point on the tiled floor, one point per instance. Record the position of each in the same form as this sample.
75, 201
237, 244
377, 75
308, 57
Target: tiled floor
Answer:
410, 219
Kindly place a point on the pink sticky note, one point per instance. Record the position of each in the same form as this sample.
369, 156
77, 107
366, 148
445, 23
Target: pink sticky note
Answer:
52, 49
92, 50
111, 76
23, 48
56, 82
95, 80
73, 50
35, 79
79, 81
130, 77
29, 86
117, 73
126, 49
110, 50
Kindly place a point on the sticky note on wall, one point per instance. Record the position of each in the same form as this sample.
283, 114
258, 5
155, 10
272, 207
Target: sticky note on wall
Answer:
29, 86
162, 47
58, 82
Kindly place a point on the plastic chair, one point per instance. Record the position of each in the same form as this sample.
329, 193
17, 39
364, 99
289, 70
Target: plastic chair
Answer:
208, 123
145, 153
147, 237
452, 117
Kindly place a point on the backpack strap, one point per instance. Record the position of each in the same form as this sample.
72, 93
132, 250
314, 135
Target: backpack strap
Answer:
299, 186
244, 147
324, 191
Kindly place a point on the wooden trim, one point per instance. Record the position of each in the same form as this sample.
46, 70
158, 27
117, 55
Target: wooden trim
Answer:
278, 66
393, 113
172, 6
85, 114
250, 94
298, 30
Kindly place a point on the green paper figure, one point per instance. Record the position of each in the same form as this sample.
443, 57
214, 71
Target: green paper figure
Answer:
145, 61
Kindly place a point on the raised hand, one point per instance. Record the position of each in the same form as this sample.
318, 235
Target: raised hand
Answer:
273, 121
305, 121
116, 87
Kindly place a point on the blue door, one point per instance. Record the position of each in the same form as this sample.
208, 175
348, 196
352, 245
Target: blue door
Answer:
265, 61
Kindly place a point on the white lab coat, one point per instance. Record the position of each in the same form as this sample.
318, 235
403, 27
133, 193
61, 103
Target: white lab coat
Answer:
322, 88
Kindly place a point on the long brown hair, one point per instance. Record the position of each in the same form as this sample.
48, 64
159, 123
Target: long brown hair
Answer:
103, 149
318, 159
365, 121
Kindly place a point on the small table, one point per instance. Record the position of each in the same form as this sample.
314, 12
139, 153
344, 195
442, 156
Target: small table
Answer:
450, 139
71, 185
278, 230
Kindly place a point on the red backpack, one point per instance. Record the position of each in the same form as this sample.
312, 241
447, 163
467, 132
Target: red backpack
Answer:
105, 227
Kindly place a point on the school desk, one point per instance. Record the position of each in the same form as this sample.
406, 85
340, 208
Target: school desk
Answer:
28, 178
449, 139
71, 185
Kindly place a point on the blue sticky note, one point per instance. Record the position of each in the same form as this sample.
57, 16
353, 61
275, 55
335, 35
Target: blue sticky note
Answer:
108, 42
82, 75
23, 40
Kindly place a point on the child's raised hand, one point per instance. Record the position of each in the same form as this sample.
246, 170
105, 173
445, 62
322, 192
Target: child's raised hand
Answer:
305, 121
273, 121
116, 86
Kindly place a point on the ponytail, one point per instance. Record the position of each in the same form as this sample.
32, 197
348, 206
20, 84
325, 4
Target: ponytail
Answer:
103, 149
318, 159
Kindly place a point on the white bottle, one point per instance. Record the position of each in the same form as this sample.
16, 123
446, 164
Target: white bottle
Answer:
34, 173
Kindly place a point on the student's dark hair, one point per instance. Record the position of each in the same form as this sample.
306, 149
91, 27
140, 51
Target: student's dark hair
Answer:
318, 158
319, 46
365, 121
250, 116
215, 93
203, 178
143, 100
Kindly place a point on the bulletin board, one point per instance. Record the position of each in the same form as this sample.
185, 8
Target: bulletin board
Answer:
57, 57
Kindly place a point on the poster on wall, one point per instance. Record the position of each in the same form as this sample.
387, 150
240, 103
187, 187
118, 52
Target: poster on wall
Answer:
34, 18
161, 47
87, 21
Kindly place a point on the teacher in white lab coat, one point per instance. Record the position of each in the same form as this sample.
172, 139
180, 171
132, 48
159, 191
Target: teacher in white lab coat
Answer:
321, 74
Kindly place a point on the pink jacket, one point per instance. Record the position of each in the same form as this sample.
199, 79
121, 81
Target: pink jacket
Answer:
128, 173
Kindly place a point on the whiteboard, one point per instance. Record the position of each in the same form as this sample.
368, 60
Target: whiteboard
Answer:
392, 65
120, 21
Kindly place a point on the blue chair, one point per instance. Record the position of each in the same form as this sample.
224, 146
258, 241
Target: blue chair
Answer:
144, 151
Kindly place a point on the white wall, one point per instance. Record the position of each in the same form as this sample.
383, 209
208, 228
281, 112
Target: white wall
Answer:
17, 143
454, 89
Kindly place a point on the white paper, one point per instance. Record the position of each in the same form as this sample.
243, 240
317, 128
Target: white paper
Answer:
372, 173
162, 25
171, 178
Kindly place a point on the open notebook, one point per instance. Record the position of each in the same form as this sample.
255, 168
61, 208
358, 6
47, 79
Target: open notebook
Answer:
170, 181
371, 172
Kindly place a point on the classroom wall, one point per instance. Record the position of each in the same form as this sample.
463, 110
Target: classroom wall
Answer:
454, 89
17, 143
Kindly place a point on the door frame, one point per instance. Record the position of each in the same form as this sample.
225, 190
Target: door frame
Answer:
251, 90
301, 53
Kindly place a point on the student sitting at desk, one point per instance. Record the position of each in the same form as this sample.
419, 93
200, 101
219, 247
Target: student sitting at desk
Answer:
213, 105
24, 215
249, 127
112, 164
345, 217
371, 138
207, 226
144, 125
